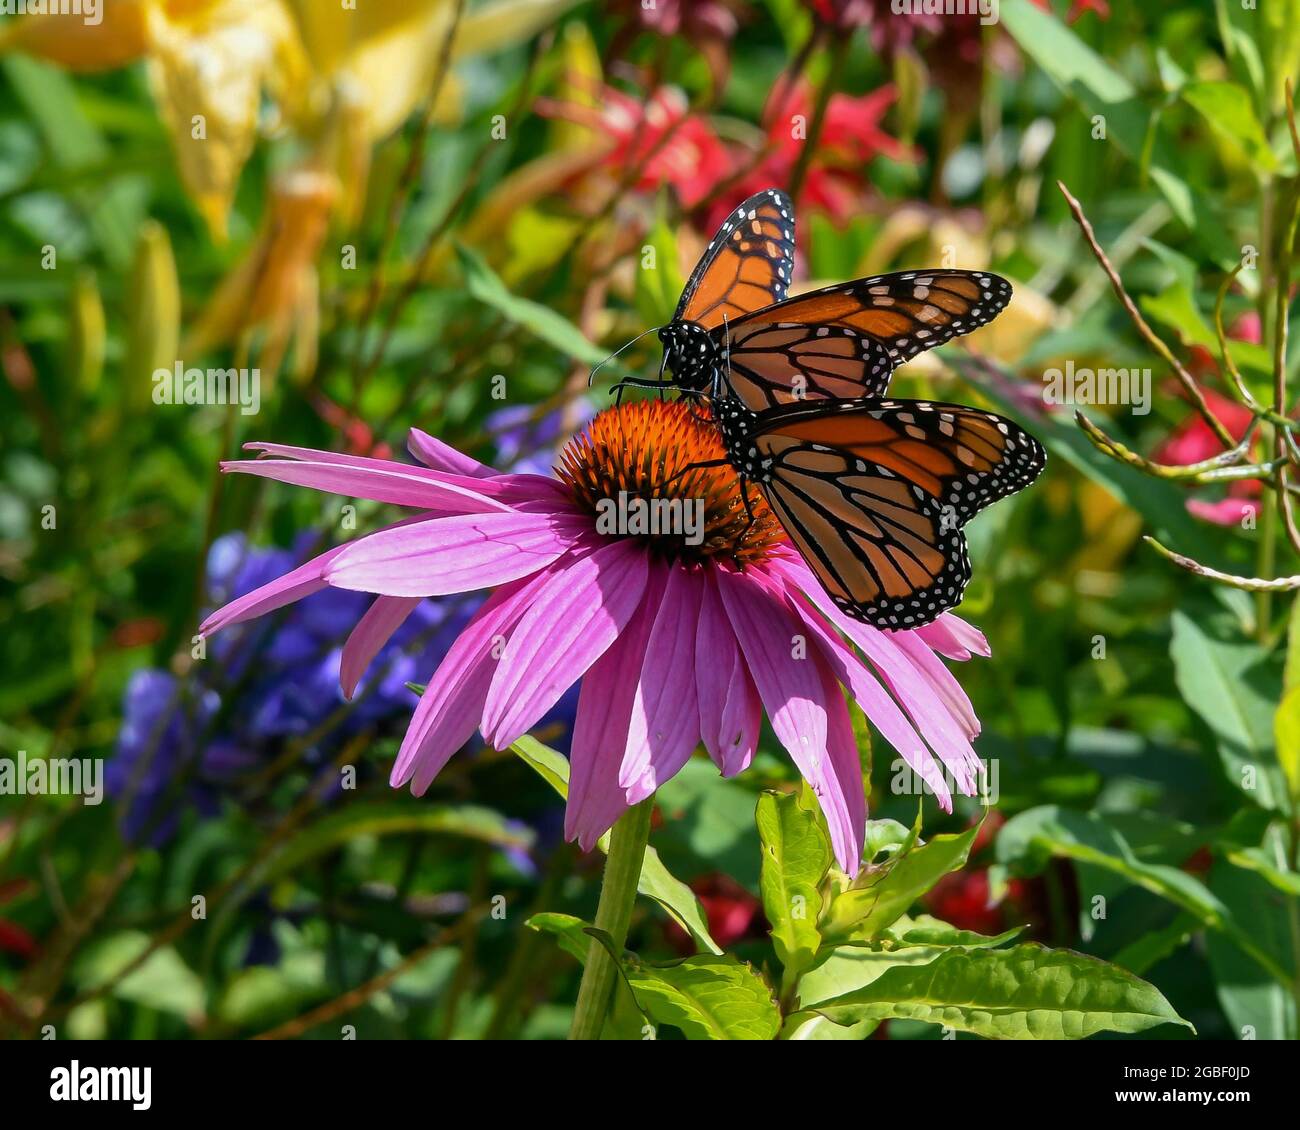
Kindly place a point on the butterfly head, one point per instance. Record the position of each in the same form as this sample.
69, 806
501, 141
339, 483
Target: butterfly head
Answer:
691, 354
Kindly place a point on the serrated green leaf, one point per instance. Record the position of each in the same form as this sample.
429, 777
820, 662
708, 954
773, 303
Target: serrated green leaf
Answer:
923, 930
796, 857
1027, 992
863, 912
569, 932
708, 997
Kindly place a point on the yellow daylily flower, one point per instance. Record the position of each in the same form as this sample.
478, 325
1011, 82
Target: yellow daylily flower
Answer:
274, 288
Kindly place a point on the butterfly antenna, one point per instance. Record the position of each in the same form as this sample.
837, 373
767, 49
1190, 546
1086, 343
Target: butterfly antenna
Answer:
591, 378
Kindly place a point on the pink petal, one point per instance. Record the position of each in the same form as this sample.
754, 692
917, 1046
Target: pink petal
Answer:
731, 712
572, 622
794, 694
373, 630
452, 703
385, 482
883, 711
600, 729
452, 554
846, 776
432, 452
953, 638
665, 725
308, 578
1225, 512
912, 691
942, 681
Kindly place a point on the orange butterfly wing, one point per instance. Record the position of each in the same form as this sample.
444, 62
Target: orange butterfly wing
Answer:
874, 494
770, 364
747, 265
907, 312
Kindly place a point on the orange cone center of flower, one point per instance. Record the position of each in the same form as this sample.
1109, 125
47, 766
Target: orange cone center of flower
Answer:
641, 470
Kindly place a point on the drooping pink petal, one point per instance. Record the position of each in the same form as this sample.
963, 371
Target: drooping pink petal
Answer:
942, 681
452, 703
912, 691
571, 622
596, 799
665, 724
301, 582
845, 770
731, 712
432, 452
953, 638
793, 693
384, 616
385, 482
453, 554
515, 489
884, 712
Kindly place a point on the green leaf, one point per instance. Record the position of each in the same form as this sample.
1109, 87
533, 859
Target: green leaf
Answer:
1231, 682
659, 281
1099, 89
1227, 108
1027, 992
568, 931
549, 764
1032, 837
863, 912
708, 997
1272, 870
656, 881
922, 930
387, 818
1286, 730
539, 320
796, 857
163, 982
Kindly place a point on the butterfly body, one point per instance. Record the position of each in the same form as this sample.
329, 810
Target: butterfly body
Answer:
872, 490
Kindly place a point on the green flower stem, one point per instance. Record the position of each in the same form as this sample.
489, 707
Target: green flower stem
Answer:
627, 845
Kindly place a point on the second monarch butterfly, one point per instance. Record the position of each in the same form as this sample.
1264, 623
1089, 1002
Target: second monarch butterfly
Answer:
872, 491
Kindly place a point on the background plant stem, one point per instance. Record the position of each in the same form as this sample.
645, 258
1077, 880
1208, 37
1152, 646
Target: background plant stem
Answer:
613, 914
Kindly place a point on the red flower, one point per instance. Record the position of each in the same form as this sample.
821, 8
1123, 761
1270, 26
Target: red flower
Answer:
660, 136
732, 912
836, 179
962, 899
1079, 7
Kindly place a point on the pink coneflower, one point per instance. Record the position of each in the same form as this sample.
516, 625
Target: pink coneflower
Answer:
678, 639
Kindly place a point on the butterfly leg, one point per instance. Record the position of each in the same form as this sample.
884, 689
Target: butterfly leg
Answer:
749, 509
689, 468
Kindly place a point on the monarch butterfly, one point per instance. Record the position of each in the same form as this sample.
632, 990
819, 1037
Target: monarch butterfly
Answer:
872, 491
